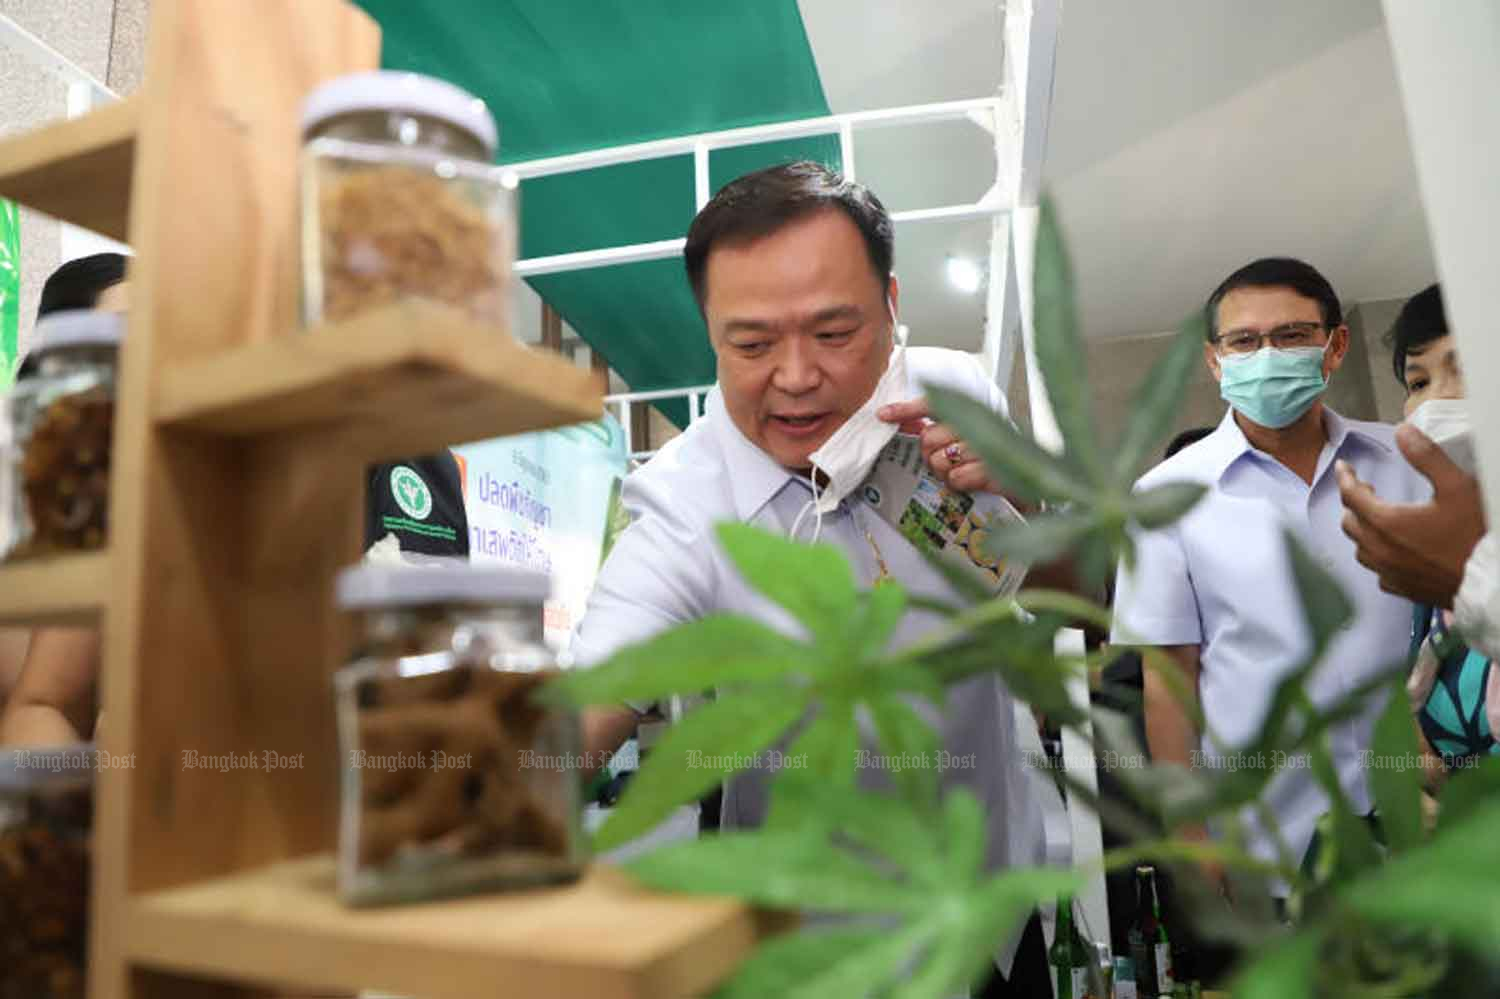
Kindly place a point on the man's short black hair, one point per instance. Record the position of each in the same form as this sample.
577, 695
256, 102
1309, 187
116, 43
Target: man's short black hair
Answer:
1278, 272
1185, 439
1422, 320
759, 203
78, 284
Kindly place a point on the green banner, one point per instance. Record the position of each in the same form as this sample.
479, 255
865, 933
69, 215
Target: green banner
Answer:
10, 291
565, 77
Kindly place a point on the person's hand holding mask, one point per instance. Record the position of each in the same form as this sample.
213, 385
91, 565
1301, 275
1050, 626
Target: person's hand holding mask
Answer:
955, 464
1417, 549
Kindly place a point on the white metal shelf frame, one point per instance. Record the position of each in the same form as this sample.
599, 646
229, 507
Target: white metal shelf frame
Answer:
694, 395
983, 111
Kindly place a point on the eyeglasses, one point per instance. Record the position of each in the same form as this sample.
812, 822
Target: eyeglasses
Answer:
1282, 338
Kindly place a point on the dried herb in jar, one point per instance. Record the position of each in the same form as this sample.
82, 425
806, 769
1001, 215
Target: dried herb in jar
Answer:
65, 473
44, 888
397, 232
446, 757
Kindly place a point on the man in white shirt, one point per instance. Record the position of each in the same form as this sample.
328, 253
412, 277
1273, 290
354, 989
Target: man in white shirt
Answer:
1216, 588
791, 267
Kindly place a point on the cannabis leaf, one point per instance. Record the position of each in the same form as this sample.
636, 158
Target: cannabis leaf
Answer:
1098, 503
772, 688
919, 912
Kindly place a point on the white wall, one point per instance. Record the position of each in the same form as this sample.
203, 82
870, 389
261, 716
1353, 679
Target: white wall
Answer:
107, 38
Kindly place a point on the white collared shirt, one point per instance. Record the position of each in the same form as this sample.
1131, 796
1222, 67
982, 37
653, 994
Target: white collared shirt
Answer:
667, 569
1220, 579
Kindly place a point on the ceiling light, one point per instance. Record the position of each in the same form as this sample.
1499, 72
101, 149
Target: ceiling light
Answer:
964, 274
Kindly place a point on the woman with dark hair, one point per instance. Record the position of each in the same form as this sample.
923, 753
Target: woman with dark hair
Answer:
1424, 354
1454, 690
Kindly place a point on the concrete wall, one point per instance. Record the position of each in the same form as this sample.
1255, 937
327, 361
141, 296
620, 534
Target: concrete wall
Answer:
1370, 321
107, 38
1115, 368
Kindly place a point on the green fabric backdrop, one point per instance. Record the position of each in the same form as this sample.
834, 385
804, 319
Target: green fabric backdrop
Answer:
563, 76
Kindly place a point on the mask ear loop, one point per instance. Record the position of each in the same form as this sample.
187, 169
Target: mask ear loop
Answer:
813, 505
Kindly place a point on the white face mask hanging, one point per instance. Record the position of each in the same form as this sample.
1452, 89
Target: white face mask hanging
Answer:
847, 457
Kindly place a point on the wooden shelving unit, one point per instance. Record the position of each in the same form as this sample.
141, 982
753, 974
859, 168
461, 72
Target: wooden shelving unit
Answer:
236, 496
78, 170
402, 380
66, 589
601, 938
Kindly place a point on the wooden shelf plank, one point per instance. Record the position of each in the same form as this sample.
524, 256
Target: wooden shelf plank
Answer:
64, 589
78, 170
603, 937
403, 379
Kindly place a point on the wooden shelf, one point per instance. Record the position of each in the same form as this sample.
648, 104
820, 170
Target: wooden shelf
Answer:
78, 170
603, 937
402, 379
236, 503
60, 590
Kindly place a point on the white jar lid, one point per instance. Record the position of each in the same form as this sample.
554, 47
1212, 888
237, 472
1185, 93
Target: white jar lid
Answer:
78, 328
388, 90
373, 585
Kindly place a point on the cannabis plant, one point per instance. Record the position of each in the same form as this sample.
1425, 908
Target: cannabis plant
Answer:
918, 915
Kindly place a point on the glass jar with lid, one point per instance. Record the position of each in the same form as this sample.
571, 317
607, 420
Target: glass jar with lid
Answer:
62, 413
46, 813
400, 200
455, 777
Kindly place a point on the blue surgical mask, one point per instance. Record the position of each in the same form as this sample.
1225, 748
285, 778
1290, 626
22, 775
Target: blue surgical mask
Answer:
1273, 387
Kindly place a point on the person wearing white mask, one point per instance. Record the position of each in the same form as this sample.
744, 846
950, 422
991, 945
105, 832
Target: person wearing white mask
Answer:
791, 268
1432, 552
1216, 588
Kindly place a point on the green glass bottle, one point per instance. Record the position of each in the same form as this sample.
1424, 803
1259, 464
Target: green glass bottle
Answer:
1067, 955
1150, 950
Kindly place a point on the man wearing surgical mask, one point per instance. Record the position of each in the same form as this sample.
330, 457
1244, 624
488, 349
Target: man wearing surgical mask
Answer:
791, 268
1216, 588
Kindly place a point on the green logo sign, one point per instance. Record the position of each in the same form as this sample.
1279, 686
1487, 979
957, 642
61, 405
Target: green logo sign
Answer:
411, 493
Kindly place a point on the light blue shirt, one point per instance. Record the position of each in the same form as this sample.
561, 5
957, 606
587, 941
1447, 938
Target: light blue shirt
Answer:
1220, 579
667, 569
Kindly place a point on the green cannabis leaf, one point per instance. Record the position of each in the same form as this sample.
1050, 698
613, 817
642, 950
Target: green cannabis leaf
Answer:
1397, 789
1098, 504
770, 687
914, 885
1060, 353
